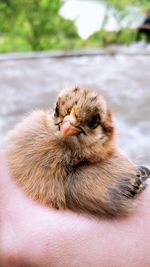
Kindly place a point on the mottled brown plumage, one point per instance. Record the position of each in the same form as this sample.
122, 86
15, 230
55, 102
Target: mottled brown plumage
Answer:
68, 158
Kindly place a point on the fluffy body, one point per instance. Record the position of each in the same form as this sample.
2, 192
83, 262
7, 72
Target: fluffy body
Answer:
83, 172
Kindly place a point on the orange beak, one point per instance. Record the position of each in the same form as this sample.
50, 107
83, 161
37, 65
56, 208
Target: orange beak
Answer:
67, 129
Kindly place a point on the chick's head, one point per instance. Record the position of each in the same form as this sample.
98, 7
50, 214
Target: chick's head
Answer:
82, 116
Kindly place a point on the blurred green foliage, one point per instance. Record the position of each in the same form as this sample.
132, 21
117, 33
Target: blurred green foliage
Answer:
104, 38
35, 25
120, 10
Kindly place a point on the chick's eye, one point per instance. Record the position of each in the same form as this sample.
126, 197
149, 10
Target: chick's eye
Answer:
94, 122
56, 114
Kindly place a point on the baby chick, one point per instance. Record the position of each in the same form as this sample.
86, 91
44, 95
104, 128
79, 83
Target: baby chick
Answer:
67, 158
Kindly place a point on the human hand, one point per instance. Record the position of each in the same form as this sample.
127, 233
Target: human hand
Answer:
32, 235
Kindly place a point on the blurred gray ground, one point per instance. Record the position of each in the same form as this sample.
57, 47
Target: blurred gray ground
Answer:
125, 80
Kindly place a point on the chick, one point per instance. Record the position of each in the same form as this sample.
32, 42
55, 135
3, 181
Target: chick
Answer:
67, 158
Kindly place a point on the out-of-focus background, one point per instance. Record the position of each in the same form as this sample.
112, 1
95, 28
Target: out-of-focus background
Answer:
47, 45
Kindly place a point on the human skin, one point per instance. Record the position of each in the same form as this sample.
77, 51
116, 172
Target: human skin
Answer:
32, 235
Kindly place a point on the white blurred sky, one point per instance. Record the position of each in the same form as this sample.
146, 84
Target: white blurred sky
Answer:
88, 16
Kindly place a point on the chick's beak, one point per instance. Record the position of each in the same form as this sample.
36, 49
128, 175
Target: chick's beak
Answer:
68, 127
